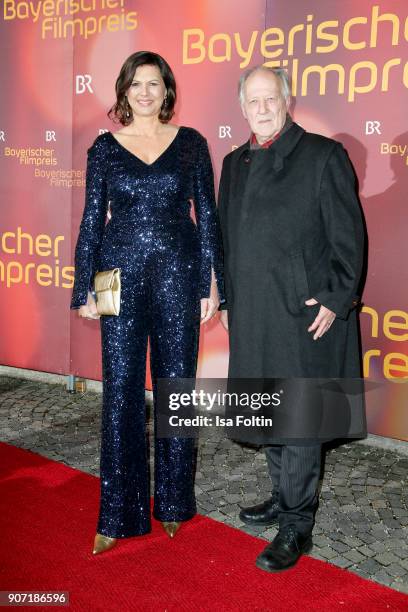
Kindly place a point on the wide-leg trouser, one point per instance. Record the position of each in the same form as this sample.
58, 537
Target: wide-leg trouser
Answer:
160, 301
295, 471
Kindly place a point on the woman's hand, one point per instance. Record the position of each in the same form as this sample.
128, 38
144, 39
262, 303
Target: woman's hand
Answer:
209, 306
88, 310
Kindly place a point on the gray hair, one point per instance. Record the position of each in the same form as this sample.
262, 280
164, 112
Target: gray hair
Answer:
280, 73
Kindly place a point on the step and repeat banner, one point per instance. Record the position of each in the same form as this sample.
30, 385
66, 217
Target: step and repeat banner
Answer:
59, 62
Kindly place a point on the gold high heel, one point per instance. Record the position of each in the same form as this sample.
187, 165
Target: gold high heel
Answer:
103, 543
171, 528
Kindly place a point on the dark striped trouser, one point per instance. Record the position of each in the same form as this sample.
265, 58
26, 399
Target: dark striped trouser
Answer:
295, 471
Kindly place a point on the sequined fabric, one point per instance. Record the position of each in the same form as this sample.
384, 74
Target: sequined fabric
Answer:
166, 260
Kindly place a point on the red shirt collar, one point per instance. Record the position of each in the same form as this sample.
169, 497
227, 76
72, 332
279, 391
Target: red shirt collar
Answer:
266, 144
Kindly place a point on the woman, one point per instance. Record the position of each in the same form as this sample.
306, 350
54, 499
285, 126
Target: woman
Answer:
147, 173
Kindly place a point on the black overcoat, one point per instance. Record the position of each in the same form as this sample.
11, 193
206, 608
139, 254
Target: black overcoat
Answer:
292, 229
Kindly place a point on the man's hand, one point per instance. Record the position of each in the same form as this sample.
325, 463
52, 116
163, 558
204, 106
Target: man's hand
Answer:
322, 322
224, 319
88, 310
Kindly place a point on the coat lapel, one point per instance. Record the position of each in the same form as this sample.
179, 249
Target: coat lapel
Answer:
283, 146
239, 169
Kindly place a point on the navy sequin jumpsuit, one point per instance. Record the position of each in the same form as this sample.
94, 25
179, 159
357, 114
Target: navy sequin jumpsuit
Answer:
166, 261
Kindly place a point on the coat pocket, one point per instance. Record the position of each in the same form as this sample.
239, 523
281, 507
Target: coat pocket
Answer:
300, 280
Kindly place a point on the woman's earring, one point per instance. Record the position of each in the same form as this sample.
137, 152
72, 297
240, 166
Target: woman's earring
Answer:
165, 101
127, 108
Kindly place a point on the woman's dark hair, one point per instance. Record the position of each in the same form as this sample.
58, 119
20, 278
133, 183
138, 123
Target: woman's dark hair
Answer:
121, 111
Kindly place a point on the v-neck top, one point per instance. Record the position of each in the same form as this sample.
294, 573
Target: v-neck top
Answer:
169, 146
153, 199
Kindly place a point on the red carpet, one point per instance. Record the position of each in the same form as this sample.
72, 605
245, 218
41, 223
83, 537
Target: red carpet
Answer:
48, 515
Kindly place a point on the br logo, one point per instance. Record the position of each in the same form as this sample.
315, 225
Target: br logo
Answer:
83, 83
224, 131
372, 127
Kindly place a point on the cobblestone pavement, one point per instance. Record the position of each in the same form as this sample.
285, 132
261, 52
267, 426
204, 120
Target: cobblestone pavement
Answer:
362, 521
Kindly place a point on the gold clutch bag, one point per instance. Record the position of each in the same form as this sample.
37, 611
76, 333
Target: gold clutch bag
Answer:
107, 289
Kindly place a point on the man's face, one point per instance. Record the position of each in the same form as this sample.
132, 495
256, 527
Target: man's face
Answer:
264, 106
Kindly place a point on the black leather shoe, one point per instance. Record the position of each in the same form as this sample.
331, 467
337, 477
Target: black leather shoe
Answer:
265, 513
285, 550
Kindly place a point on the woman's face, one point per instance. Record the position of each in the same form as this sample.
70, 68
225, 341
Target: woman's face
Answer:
146, 92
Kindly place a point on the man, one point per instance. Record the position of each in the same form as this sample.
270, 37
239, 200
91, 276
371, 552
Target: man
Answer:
293, 241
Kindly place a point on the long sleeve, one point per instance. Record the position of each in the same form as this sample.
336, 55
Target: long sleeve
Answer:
92, 224
343, 224
207, 222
